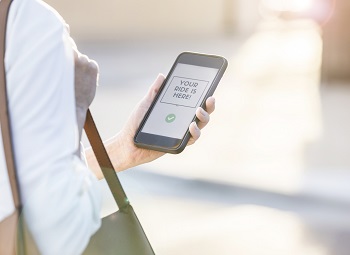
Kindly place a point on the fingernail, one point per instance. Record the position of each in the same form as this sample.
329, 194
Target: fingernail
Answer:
158, 77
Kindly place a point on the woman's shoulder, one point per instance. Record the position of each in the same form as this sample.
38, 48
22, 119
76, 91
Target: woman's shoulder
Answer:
37, 11
32, 26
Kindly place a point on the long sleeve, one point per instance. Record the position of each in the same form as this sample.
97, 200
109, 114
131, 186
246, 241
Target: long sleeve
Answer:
61, 196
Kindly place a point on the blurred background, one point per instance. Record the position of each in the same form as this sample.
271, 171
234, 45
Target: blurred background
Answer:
271, 173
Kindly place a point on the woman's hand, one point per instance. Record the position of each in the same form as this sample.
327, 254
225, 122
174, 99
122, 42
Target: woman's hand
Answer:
121, 149
129, 155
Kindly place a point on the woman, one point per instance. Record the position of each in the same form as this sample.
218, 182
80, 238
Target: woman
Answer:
50, 87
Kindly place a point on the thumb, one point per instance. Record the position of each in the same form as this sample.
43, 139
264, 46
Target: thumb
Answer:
153, 90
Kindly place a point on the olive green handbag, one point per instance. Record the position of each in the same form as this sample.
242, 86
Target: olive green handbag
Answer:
121, 232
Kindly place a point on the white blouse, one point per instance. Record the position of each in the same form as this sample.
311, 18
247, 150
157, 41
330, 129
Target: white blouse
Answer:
61, 196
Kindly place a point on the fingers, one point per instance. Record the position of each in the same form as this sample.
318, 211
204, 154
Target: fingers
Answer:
210, 105
155, 86
195, 133
203, 117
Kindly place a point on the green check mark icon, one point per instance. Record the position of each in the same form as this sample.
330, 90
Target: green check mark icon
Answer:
170, 118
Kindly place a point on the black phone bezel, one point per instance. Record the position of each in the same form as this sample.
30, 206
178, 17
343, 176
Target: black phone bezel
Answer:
169, 144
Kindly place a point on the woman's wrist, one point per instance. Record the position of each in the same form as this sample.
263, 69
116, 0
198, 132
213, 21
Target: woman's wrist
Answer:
118, 153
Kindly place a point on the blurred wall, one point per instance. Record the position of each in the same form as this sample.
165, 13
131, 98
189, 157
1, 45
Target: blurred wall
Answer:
109, 20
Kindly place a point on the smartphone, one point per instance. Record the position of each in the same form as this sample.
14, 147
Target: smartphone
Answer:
192, 79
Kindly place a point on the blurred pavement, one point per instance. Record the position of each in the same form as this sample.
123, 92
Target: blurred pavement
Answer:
270, 173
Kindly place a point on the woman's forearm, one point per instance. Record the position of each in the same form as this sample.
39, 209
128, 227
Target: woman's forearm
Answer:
115, 153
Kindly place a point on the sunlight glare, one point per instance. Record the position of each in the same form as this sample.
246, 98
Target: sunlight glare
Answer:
287, 5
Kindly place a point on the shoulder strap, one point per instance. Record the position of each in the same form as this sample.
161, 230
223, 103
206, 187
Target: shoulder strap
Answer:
105, 162
4, 113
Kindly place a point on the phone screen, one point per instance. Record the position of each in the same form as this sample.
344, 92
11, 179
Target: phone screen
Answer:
182, 95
